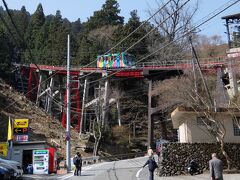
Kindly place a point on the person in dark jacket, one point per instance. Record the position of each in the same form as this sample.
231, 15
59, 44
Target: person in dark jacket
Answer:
152, 165
216, 168
78, 164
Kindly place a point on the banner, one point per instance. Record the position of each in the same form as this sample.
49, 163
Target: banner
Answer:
3, 149
10, 133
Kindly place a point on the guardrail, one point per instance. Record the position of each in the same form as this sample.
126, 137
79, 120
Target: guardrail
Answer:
90, 160
96, 159
203, 61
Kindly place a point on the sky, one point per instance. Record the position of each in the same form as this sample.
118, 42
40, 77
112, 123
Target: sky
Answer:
74, 9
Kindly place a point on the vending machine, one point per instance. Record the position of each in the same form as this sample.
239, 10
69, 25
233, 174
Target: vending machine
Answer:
52, 160
40, 161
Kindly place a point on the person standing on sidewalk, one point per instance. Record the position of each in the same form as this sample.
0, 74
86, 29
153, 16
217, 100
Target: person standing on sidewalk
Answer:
152, 165
216, 168
78, 164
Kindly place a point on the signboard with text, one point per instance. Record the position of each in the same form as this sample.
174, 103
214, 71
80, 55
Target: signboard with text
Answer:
3, 149
20, 123
20, 138
20, 130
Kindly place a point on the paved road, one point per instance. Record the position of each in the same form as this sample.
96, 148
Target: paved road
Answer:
125, 170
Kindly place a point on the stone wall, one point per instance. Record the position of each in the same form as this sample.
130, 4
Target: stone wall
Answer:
175, 157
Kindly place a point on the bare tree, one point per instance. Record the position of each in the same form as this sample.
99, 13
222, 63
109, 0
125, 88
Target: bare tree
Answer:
174, 27
209, 46
181, 91
97, 134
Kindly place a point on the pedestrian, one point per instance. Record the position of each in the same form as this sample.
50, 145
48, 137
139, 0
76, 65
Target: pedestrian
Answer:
152, 165
150, 152
216, 168
77, 160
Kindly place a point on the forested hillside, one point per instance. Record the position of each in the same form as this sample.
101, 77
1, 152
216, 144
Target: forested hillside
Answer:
41, 38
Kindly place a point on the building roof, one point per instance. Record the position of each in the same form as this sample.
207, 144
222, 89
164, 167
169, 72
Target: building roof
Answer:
234, 16
30, 143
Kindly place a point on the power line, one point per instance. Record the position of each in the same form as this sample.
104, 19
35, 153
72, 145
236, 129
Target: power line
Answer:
216, 13
147, 33
81, 67
153, 29
142, 24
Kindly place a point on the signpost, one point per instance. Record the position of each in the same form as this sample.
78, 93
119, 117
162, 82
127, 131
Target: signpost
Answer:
20, 130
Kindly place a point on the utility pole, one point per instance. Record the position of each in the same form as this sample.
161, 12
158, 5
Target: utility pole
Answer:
201, 74
194, 71
68, 135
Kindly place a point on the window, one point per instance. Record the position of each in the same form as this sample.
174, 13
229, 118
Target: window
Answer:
203, 121
236, 129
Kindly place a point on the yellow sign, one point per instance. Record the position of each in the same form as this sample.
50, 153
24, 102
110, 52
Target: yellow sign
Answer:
20, 123
3, 149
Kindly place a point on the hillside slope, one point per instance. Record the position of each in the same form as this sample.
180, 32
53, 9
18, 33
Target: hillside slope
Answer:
42, 127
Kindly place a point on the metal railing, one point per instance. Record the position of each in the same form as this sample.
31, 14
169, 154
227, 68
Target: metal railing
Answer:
96, 159
186, 62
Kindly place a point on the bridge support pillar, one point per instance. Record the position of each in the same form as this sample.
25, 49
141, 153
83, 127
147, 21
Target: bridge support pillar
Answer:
118, 104
105, 102
49, 94
150, 121
83, 114
119, 112
232, 77
221, 97
39, 88
30, 83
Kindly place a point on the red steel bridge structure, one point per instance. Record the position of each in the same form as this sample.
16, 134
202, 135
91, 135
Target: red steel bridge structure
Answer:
46, 85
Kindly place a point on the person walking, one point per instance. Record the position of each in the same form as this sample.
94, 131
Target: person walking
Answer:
216, 168
152, 165
150, 152
77, 160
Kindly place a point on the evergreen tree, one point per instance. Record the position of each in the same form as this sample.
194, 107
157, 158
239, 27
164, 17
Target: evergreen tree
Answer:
134, 22
77, 27
21, 18
83, 54
5, 51
34, 36
108, 15
56, 46
111, 10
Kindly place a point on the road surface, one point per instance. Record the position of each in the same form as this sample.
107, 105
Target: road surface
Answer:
122, 170
127, 169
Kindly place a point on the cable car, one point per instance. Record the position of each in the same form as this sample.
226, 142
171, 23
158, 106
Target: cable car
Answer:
117, 60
